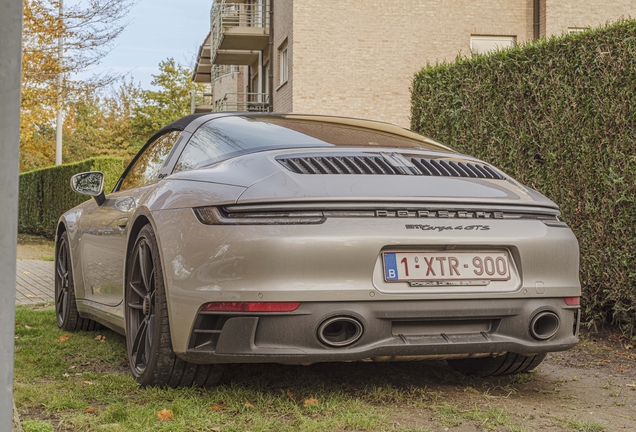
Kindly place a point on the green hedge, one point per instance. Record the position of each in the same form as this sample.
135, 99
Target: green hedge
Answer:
560, 116
46, 193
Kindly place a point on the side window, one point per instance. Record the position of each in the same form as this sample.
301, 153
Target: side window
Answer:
204, 148
150, 162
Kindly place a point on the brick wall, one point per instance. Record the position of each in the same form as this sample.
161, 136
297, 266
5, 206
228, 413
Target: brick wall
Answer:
283, 30
357, 58
564, 14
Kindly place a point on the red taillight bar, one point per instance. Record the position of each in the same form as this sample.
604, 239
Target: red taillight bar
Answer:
572, 301
251, 307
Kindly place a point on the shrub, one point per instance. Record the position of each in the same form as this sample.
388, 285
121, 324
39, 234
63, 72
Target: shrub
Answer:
46, 193
559, 116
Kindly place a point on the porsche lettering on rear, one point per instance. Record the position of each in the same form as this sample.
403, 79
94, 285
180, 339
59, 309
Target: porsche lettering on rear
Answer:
441, 214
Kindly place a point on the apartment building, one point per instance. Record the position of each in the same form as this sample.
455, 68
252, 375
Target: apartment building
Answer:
357, 58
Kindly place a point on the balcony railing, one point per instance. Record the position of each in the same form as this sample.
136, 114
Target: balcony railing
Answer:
253, 102
235, 26
243, 102
201, 102
219, 71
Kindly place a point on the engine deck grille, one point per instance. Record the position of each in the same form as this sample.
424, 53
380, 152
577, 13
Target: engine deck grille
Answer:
365, 164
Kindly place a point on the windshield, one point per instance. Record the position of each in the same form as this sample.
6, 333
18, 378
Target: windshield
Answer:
227, 137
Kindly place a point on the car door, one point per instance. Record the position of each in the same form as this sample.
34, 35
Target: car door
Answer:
104, 229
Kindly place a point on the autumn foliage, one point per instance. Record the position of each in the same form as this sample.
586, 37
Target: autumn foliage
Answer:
104, 115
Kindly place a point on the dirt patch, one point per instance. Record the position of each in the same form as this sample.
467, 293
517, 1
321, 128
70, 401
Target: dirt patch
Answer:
35, 248
589, 388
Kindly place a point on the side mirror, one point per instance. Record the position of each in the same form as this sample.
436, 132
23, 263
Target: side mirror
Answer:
91, 184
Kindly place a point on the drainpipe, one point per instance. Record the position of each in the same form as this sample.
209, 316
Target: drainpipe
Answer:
537, 19
271, 56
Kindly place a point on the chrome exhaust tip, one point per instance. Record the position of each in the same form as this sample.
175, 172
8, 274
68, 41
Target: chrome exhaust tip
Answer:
544, 325
340, 331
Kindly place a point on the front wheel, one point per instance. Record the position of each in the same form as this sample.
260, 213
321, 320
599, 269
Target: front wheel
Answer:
152, 360
507, 364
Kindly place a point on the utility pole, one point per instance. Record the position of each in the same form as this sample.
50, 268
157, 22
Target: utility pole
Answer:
10, 63
60, 82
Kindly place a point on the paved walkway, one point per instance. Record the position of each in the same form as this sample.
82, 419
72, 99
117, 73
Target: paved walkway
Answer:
34, 282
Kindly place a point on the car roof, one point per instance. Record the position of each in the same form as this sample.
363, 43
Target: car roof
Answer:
184, 122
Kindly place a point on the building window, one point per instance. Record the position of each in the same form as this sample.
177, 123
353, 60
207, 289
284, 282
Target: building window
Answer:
488, 44
283, 65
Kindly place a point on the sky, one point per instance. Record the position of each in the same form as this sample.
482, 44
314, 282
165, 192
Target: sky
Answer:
159, 29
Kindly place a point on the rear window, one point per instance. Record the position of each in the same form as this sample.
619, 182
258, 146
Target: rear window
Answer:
227, 137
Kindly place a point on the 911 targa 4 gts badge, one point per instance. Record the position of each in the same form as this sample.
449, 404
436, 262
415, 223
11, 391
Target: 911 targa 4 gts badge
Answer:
449, 228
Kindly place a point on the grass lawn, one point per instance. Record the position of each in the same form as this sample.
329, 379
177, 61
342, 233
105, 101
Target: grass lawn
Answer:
83, 383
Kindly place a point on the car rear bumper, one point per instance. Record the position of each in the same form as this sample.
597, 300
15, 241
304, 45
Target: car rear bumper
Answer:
336, 267
391, 330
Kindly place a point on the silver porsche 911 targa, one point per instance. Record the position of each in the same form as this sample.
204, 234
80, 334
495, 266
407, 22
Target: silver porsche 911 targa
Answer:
254, 238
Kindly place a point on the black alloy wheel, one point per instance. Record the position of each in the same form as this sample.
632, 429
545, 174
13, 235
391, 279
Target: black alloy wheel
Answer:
141, 302
150, 354
68, 318
62, 282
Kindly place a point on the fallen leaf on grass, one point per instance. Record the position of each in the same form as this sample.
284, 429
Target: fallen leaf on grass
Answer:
604, 361
290, 395
66, 375
32, 296
16, 337
310, 402
62, 338
87, 382
249, 405
100, 338
27, 327
165, 415
217, 407
90, 411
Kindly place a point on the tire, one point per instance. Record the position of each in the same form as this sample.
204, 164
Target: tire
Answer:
150, 355
507, 364
68, 318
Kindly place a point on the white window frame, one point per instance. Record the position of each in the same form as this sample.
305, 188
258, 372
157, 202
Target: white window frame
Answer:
283, 63
505, 41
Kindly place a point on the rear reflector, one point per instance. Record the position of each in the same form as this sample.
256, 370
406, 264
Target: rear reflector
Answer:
572, 301
251, 307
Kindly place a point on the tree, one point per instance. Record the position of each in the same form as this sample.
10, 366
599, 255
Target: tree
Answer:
88, 29
101, 124
170, 102
118, 120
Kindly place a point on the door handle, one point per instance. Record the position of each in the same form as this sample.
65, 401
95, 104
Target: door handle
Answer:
122, 222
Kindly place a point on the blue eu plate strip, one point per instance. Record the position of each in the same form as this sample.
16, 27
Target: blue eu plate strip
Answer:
390, 267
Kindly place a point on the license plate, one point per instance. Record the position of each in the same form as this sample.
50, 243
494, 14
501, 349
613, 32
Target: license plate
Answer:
446, 266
